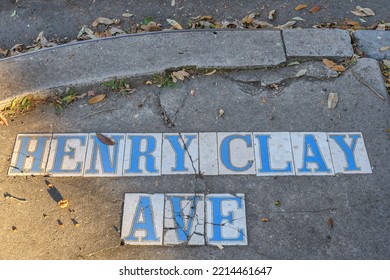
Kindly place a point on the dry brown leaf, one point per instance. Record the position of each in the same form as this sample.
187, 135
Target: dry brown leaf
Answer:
174, 24
148, 83
127, 15
383, 49
333, 99
105, 140
265, 220
103, 20
63, 203
206, 18
96, 99
248, 18
351, 22
287, 25
333, 65
210, 73
271, 14
300, 7
4, 119
261, 24
315, 9
363, 12
301, 73
221, 113
180, 75
151, 26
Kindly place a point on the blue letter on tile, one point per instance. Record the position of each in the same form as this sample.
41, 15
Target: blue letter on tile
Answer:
348, 150
178, 215
136, 154
225, 152
180, 151
37, 154
109, 166
61, 153
264, 154
310, 142
220, 220
143, 221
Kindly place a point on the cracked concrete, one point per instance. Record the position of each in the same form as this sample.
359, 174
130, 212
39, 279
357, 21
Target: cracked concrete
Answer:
297, 228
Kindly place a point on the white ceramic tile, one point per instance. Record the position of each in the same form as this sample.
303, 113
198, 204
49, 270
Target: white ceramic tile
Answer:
357, 153
105, 160
142, 154
208, 153
314, 147
273, 154
180, 153
226, 219
236, 153
67, 154
184, 219
30, 154
143, 220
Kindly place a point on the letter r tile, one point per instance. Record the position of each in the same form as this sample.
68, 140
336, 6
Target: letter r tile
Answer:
30, 154
67, 154
349, 154
143, 220
226, 219
142, 154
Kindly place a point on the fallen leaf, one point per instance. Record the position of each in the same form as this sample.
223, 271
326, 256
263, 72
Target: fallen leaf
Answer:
293, 63
181, 75
173, 3
300, 7
13, 13
362, 20
127, 15
3, 119
103, 20
301, 73
330, 223
174, 24
351, 22
315, 9
263, 100
96, 99
287, 25
248, 18
363, 12
148, 83
333, 99
271, 14
63, 203
221, 113
383, 49
105, 140
210, 73
192, 92
277, 203
220, 246
206, 18
151, 26
298, 19
114, 30
381, 26
333, 65
265, 220
261, 24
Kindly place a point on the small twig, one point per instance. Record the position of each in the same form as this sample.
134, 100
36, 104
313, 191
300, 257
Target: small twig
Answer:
367, 85
98, 112
10, 196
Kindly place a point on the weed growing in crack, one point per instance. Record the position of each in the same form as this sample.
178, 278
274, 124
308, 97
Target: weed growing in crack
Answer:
121, 86
61, 102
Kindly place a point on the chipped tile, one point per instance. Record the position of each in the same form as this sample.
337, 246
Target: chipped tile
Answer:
208, 153
273, 154
102, 159
180, 153
67, 154
184, 219
311, 153
143, 220
349, 153
226, 219
142, 154
30, 154
236, 153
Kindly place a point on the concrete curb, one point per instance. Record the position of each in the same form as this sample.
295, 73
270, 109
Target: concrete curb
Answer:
149, 53
370, 43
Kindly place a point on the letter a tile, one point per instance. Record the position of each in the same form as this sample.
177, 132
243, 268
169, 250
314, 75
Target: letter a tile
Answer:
226, 219
143, 220
184, 219
30, 154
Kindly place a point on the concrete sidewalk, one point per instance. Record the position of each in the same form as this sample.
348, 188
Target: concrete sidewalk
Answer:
343, 216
